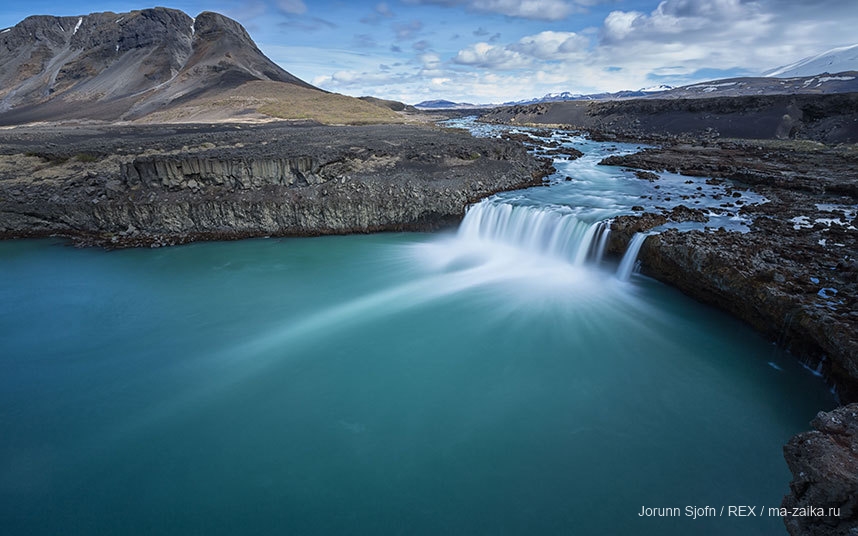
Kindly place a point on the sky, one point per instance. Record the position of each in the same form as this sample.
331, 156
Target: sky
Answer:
494, 51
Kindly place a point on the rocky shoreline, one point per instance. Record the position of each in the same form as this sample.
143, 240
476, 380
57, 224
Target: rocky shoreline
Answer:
823, 500
116, 186
793, 277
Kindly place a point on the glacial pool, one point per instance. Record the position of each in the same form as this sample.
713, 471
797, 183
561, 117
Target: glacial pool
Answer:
378, 384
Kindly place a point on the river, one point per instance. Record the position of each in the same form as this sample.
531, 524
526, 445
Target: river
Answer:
502, 378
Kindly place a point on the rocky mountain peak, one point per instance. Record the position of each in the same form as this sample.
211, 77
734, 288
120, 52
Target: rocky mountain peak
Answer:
211, 25
123, 65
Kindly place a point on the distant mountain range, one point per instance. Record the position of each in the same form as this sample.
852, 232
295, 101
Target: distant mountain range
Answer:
449, 105
567, 96
845, 82
550, 97
834, 71
158, 64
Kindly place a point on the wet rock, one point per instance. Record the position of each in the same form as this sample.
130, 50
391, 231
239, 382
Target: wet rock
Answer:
646, 175
681, 213
569, 152
824, 463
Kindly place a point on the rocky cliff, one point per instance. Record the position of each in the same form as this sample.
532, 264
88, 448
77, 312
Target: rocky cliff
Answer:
153, 185
823, 498
794, 276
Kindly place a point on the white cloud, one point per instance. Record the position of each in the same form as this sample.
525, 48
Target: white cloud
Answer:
293, 7
407, 30
526, 9
546, 46
687, 20
381, 11
490, 57
430, 61
681, 37
618, 24
676, 42
552, 45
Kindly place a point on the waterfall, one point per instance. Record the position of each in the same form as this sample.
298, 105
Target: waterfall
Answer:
624, 272
546, 230
603, 241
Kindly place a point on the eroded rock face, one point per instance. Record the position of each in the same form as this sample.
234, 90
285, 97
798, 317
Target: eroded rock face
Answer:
158, 185
793, 276
753, 278
200, 171
823, 498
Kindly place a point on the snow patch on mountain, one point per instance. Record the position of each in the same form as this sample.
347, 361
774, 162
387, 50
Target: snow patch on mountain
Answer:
836, 60
656, 89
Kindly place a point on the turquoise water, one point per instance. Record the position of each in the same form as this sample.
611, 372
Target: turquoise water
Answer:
384, 384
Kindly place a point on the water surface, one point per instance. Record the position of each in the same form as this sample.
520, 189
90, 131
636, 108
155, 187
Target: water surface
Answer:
384, 384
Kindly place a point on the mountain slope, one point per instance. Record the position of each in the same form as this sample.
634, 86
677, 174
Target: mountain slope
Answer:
126, 66
836, 60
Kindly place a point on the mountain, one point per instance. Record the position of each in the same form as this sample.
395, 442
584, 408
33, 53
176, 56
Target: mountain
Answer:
656, 89
839, 82
836, 60
846, 82
567, 96
129, 66
549, 97
449, 105
396, 106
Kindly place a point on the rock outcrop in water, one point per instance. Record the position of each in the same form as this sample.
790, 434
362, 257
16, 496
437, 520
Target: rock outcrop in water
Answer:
823, 498
156, 185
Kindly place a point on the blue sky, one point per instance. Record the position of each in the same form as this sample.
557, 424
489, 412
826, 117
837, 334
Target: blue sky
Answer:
500, 50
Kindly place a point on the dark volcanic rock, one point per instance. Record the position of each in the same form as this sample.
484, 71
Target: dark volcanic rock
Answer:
569, 152
126, 186
829, 118
804, 166
768, 281
824, 464
646, 175
800, 244
681, 213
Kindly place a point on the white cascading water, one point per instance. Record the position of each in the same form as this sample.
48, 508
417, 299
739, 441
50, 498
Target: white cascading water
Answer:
627, 265
548, 231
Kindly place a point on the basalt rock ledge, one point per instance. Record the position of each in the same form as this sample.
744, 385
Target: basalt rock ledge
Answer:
137, 186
